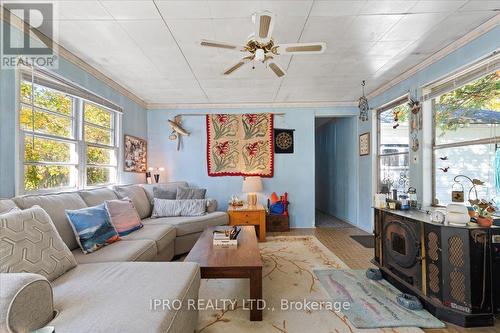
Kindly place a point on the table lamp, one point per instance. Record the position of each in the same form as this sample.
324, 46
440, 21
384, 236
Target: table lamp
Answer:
252, 185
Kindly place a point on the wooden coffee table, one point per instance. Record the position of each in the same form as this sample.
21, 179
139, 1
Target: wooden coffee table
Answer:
242, 262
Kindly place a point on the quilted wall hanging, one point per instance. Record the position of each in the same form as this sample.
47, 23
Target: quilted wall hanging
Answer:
240, 145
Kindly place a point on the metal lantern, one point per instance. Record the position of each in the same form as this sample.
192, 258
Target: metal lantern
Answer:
363, 104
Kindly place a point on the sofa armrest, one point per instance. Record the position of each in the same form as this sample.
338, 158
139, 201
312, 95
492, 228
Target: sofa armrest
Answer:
26, 302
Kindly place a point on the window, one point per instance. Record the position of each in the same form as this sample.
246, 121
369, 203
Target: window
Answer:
467, 137
393, 147
100, 148
61, 134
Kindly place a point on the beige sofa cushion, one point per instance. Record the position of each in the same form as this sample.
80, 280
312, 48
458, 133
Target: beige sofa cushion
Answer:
163, 235
30, 243
116, 297
26, 302
185, 225
97, 196
6, 205
55, 205
170, 186
138, 196
136, 250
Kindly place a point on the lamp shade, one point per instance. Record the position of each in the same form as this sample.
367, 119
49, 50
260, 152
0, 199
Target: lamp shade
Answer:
251, 185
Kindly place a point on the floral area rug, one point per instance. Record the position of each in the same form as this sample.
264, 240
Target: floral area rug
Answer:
240, 145
288, 276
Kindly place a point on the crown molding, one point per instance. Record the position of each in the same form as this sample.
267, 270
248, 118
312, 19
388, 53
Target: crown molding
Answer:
71, 57
187, 106
450, 48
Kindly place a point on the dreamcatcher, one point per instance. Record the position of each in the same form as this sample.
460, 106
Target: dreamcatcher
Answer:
363, 104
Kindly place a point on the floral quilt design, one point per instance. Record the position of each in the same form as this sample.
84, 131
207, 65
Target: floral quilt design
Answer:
240, 145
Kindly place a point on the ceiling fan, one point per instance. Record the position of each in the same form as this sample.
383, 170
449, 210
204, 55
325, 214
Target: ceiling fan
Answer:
262, 48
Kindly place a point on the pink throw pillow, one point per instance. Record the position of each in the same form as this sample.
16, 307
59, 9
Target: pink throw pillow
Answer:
124, 216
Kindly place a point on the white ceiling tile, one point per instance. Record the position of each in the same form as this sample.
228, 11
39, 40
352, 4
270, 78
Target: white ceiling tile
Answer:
80, 10
368, 40
337, 8
481, 5
184, 9
384, 48
328, 29
287, 8
370, 28
451, 29
386, 7
431, 6
414, 26
132, 10
233, 9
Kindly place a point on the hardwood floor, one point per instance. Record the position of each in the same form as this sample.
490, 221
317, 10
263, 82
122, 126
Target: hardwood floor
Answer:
356, 256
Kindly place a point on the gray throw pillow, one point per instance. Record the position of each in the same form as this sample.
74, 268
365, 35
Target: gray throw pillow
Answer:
211, 205
169, 208
184, 193
162, 193
30, 243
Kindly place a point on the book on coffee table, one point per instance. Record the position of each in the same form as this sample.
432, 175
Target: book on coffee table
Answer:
224, 240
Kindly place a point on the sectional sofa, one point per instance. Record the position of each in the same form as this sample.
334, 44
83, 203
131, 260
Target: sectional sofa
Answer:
111, 290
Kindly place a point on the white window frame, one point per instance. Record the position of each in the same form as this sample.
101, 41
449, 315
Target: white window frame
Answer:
445, 86
114, 146
78, 124
397, 102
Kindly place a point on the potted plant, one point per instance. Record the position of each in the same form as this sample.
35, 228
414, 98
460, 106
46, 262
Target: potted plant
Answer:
484, 215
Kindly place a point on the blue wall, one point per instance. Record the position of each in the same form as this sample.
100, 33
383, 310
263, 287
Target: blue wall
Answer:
336, 169
134, 119
294, 173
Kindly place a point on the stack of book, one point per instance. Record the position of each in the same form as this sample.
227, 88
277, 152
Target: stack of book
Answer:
226, 238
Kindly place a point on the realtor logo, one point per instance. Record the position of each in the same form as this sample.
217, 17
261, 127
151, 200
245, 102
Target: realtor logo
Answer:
31, 43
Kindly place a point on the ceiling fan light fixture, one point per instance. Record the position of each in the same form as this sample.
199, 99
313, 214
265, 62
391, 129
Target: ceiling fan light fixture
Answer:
259, 55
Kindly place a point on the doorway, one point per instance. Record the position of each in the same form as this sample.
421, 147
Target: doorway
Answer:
336, 172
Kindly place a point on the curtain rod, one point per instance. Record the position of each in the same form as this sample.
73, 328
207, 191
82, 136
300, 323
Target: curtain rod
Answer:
281, 114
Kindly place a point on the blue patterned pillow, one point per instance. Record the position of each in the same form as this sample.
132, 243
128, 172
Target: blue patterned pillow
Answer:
92, 227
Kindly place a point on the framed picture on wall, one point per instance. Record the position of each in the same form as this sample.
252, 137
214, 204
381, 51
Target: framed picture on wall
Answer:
364, 144
135, 154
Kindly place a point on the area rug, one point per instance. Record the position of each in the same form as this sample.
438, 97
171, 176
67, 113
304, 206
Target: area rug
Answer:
367, 241
240, 145
373, 303
288, 275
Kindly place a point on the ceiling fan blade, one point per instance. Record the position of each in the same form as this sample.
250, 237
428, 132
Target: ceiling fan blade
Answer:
264, 25
243, 61
217, 44
301, 48
280, 72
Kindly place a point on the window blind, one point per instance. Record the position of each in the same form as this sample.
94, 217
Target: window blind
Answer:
475, 71
393, 104
53, 81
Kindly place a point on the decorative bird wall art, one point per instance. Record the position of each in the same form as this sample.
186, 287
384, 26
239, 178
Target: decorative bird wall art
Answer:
177, 130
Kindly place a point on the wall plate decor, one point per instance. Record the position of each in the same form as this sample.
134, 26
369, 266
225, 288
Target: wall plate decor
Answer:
240, 145
135, 154
283, 141
364, 144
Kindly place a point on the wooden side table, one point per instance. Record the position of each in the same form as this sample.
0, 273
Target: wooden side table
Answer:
249, 215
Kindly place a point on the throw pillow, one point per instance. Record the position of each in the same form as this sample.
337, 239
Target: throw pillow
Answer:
92, 227
30, 243
163, 193
211, 205
124, 216
184, 193
168, 208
